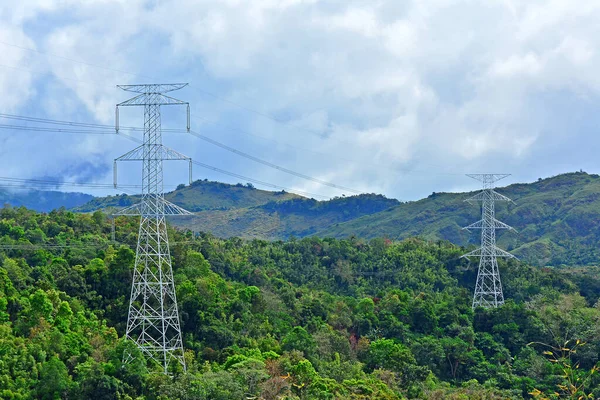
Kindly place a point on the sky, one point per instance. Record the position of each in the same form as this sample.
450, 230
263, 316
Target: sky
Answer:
395, 97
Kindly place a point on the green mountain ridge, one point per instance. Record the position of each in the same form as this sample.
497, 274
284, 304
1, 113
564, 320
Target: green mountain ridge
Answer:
555, 218
199, 196
244, 211
299, 217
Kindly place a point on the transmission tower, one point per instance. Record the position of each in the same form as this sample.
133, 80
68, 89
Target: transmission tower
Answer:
153, 320
488, 288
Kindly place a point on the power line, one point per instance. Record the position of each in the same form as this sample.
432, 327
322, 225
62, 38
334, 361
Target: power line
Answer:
36, 184
102, 127
246, 108
246, 178
302, 149
47, 182
53, 121
271, 185
59, 130
205, 120
71, 59
196, 134
109, 130
269, 164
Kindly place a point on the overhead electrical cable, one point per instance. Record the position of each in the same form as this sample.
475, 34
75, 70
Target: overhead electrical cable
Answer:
196, 134
319, 134
18, 182
248, 179
269, 164
271, 185
59, 130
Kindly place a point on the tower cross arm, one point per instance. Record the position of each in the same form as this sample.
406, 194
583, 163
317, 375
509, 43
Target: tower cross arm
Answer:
138, 209
129, 211
488, 195
495, 224
491, 178
158, 99
161, 152
153, 87
494, 251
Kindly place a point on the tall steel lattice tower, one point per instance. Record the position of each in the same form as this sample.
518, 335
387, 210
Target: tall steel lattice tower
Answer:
153, 320
488, 288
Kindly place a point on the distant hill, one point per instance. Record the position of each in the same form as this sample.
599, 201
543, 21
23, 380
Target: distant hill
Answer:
244, 211
557, 219
201, 195
277, 219
43, 201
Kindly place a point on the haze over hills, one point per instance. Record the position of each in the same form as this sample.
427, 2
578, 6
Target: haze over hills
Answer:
556, 218
42, 200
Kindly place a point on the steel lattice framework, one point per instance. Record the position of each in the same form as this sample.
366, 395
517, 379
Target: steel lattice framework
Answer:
153, 320
488, 287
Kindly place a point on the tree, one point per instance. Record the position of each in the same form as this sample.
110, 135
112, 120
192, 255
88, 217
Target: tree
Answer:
299, 339
54, 382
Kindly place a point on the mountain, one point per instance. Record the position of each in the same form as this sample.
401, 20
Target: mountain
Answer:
200, 195
244, 211
278, 219
556, 220
41, 200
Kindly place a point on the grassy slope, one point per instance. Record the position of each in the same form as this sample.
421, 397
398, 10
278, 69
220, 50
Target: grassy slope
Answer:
281, 219
238, 210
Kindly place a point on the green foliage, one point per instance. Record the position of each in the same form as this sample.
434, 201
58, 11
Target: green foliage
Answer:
554, 217
302, 319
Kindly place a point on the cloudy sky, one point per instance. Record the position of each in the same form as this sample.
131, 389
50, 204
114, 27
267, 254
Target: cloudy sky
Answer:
395, 97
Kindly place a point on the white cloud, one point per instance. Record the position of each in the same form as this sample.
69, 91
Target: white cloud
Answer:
528, 64
460, 84
16, 75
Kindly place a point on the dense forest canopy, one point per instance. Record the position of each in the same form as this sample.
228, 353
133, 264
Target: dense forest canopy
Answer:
306, 318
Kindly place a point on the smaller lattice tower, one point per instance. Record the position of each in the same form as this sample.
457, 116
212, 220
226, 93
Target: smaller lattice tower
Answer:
488, 287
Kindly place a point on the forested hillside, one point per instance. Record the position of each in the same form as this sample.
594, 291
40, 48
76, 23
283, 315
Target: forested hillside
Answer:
302, 319
244, 211
556, 218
